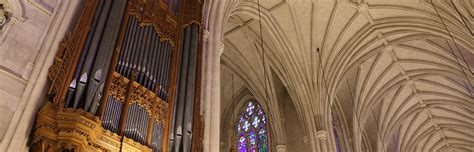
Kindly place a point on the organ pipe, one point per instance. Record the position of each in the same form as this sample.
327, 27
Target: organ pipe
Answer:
186, 86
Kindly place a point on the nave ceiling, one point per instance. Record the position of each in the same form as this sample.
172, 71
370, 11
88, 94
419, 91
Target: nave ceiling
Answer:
390, 72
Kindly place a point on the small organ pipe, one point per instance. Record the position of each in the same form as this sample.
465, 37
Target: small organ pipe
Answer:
144, 120
136, 122
132, 47
111, 116
118, 109
144, 68
112, 113
139, 124
167, 69
141, 51
128, 45
157, 72
133, 120
163, 68
154, 64
142, 123
136, 50
146, 57
151, 59
155, 43
125, 44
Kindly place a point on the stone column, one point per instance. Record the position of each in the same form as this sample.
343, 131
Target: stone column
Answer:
322, 136
214, 13
231, 136
213, 49
281, 148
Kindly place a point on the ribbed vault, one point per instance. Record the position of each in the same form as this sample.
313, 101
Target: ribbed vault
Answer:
397, 74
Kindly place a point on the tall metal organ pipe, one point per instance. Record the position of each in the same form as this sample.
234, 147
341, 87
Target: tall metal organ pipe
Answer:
87, 84
73, 85
186, 89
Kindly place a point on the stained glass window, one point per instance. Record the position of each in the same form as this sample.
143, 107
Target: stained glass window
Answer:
251, 129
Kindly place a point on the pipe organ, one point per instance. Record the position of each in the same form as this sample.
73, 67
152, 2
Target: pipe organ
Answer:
126, 78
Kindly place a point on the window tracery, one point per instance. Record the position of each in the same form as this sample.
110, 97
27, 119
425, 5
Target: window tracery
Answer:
251, 129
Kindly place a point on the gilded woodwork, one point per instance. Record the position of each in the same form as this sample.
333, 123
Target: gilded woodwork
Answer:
192, 12
138, 94
157, 14
142, 96
59, 129
118, 86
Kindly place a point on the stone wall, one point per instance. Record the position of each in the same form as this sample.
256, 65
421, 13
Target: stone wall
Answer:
28, 42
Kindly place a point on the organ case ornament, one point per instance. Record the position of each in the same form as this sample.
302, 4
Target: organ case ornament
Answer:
155, 13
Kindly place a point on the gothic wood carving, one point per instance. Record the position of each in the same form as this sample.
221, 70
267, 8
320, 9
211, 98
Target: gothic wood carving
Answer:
157, 14
60, 129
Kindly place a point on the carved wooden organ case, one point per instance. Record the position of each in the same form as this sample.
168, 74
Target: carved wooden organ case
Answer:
126, 79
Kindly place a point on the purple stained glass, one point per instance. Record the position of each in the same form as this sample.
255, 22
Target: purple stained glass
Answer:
251, 129
242, 143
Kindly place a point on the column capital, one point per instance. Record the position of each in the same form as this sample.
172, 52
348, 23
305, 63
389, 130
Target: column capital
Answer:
305, 140
205, 35
281, 148
322, 134
221, 48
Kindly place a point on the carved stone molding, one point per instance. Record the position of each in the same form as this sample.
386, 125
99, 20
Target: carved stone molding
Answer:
281, 148
322, 135
3, 15
42, 5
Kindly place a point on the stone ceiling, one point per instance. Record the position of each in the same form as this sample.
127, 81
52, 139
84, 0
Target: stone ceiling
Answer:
392, 63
